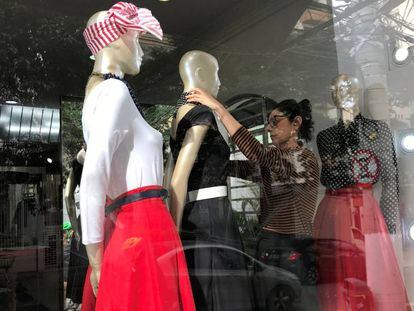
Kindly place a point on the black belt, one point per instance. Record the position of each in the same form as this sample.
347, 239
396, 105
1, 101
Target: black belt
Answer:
147, 194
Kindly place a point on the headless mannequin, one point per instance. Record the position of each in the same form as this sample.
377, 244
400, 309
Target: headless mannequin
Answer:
122, 56
197, 70
346, 90
69, 195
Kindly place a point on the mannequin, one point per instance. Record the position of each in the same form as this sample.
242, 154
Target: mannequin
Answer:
356, 153
78, 262
198, 199
196, 68
72, 182
121, 195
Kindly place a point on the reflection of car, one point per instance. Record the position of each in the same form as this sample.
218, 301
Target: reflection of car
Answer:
358, 295
274, 288
329, 250
302, 261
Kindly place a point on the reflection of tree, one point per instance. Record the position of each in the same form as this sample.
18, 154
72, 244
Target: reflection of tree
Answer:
34, 56
248, 221
72, 136
158, 116
23, 153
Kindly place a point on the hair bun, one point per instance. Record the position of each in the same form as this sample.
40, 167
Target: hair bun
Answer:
305, 106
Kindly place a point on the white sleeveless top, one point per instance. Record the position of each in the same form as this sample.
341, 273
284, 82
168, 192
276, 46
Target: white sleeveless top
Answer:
123, 153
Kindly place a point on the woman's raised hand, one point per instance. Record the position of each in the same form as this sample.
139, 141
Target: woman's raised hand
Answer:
203, 97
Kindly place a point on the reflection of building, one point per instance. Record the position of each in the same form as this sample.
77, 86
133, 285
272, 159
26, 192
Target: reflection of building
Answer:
28, 219
402, 114
30, 230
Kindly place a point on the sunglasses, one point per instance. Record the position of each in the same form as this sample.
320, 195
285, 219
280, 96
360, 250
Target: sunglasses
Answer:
274, 120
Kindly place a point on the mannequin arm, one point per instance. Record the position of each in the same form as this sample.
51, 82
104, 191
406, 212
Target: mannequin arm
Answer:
389, 201
185, 161
169, 169
95, 254
106, 128
70, 203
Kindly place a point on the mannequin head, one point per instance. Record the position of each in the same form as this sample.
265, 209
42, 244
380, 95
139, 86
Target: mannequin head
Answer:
199, 69
122, 56
345, 92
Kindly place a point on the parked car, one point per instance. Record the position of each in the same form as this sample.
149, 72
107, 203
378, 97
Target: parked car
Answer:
329, 250
302, 262
275, 289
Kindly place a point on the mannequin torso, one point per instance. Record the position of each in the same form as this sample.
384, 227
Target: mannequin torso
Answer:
358, 150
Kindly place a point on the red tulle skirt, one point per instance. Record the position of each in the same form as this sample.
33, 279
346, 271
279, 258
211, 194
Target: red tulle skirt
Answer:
358, 269
143, 266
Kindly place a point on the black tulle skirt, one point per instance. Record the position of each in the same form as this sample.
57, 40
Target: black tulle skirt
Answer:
78, 265
215, 258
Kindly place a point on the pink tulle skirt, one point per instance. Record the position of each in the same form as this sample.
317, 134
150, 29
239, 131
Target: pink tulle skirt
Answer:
358, 269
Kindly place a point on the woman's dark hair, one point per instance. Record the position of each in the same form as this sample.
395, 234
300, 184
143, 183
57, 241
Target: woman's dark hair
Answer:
291, 108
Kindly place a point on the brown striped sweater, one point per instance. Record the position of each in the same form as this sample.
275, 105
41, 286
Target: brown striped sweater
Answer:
289, 184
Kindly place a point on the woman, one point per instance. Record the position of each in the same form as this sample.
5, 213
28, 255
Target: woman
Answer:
133, 247
289, 171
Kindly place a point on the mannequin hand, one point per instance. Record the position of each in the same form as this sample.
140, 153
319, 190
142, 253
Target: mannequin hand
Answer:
95, 254
78, 239
203, 97
95, 276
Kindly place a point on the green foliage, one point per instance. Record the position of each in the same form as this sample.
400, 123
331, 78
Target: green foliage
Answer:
34, 56
72, 136
249, 228
159, 117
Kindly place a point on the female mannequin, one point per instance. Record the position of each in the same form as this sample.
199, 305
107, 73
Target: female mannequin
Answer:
199, 202
355, 154
78, 262
196, 68
134, 252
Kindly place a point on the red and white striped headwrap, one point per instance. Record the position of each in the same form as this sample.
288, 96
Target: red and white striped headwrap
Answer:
120, 17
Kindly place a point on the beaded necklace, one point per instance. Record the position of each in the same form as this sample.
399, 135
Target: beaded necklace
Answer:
183, 100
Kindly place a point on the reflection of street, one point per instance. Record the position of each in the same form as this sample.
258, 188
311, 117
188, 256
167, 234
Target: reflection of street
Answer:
69, 305
14, 264
274, 288
309, 298
29, 239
